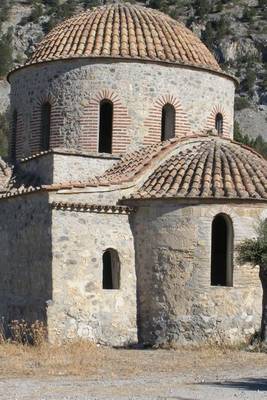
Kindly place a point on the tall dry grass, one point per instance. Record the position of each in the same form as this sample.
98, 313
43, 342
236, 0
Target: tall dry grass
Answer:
26, 352
85, 359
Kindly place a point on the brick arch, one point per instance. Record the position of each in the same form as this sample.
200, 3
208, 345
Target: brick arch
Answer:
210, 124
153, 122
21, 138
56, 139
90, 123
43, 99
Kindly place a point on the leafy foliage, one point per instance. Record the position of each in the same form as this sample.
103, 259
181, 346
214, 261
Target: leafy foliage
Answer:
241, 103
6, 56
259, 144
37, 11
58, 12
202, 7
4, 10
249, 82
215, 31
249, 14
254, 251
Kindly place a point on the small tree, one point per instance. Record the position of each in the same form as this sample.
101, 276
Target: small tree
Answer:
254, 251
6, 53
202, 7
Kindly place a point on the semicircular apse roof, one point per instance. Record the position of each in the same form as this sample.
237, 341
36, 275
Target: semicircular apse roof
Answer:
208, 168
124, 31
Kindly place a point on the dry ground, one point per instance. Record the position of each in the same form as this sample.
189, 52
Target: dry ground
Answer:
84, 371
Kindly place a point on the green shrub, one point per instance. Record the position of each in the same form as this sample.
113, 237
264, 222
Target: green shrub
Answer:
59, 12
241, 103
6, 56
259, 144
248, 14
92, 3
222, 28
37, 11
249, 82
262, 3
202, 7
4, 10
264, 84
208, 35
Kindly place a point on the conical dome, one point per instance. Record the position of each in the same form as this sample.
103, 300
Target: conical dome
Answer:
124, 31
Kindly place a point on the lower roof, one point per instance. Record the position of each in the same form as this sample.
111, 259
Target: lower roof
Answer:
196, 167
208, 168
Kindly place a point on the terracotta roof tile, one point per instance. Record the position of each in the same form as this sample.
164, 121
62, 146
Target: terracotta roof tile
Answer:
127, 31
211, 168
191, 167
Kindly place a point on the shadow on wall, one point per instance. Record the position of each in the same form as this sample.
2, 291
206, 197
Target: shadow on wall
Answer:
250, 384
26, 258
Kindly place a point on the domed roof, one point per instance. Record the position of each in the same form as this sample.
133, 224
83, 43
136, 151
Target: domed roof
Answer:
124, 31
204, 167
209, 168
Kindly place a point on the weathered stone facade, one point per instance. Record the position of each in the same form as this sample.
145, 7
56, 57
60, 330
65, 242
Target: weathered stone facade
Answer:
62, 166
26, 258
175, 270
88, 310
76, 87
119, 247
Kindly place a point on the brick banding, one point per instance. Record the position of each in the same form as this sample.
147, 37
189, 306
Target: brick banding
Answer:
154, 120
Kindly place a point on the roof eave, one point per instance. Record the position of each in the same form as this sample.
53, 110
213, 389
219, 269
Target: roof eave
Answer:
130, 59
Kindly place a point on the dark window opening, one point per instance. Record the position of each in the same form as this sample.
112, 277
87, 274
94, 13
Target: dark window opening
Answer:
167, 122
105, 127
111, 269
219, 123
13, 142
222, 251
45, 126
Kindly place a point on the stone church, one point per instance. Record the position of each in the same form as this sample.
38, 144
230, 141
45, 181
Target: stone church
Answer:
125, 196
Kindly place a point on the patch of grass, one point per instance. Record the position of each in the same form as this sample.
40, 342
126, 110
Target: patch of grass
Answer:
85, 359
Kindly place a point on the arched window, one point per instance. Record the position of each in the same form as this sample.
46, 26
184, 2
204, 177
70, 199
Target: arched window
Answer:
167, 122
111, 269
222, 251
45, 126
219, 123
13, 141
105, 127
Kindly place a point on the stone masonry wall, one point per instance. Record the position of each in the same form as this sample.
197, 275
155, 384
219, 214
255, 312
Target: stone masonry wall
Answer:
56, 168
138, 91
26, 258
81, 308
173, 252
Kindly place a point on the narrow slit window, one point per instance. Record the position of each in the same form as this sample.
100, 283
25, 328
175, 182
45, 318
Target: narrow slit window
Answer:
222, 251
111, 269
105, 127
219, 123
13, 142
167, 122
45, 126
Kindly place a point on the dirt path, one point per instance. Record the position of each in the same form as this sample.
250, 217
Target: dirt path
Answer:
142, 375
180, 387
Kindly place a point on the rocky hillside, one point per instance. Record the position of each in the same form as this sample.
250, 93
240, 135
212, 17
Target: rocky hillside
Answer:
236, 31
